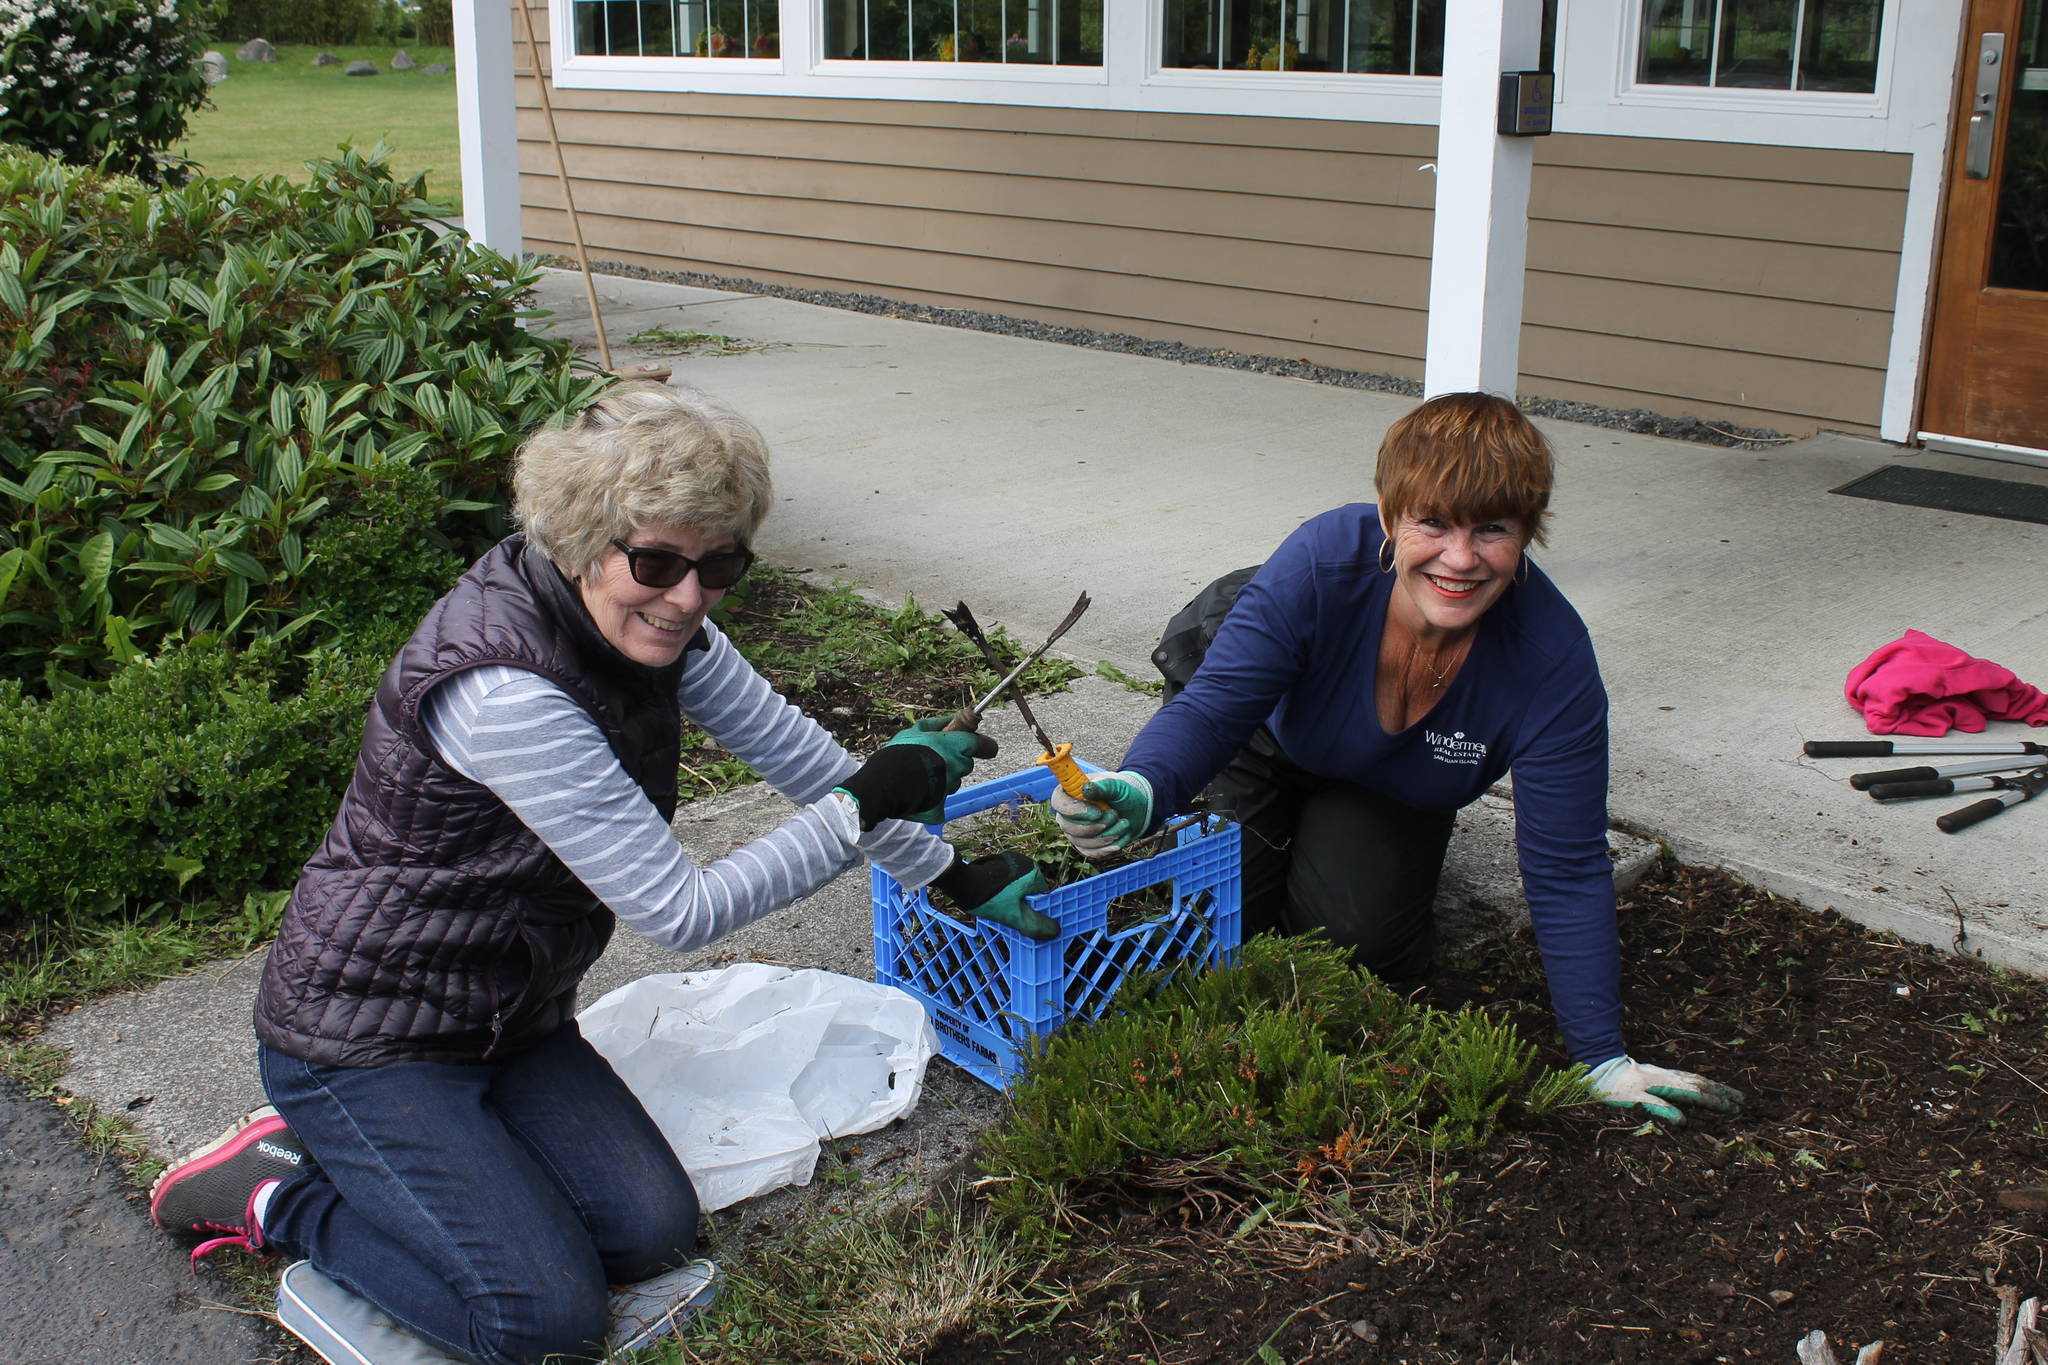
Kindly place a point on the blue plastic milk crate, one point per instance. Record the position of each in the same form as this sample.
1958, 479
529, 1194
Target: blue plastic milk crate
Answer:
990, 990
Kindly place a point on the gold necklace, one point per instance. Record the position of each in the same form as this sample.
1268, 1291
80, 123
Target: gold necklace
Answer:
1431, 669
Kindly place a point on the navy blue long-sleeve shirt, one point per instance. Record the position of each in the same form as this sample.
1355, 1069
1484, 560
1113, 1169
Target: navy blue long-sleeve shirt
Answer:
1299, 652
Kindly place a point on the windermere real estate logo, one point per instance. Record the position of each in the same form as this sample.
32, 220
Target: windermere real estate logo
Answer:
1455, 748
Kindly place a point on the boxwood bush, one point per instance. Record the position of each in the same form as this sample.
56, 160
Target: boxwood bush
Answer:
199, 776
191, 379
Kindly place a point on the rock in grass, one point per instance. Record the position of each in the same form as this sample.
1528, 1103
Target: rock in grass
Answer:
401, 60
434, 69
213, 66
256, 50
327, 59
360, 69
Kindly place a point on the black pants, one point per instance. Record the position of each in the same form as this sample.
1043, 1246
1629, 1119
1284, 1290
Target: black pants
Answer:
1329, 855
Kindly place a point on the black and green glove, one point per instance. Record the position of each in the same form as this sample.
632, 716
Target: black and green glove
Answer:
994, 888
910, 777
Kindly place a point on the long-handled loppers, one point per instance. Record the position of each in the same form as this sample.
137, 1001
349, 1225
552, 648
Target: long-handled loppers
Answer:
1993, 772
1900, 748
2013, 790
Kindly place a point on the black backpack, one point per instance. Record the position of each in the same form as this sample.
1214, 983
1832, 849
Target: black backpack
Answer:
1193, 627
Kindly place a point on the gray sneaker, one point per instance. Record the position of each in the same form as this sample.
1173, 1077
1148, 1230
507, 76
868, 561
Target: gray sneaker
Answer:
344, 1328
658, 1308
213, 1191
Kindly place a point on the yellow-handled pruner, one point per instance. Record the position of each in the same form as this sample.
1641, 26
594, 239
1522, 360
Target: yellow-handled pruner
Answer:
1058, 757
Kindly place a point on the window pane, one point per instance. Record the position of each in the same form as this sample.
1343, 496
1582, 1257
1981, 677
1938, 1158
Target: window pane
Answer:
2019, 248
1756, 44
1678, 42
1043, 32
588, 22
657, 29
1398, 37
1761, 44
673, 28
1193, 34
622, 27
1838, 47
725, 32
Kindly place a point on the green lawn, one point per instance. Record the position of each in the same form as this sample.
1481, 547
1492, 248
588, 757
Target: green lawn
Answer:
269, 118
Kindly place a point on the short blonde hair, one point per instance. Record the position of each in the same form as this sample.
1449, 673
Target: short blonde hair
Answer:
642, 456
1466, 457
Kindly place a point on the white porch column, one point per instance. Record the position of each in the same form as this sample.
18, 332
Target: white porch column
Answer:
486, 122
1482, 201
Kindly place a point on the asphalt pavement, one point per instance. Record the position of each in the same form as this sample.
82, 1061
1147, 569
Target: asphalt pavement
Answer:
1729, 592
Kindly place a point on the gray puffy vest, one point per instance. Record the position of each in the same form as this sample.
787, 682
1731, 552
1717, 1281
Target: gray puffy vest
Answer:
433, 925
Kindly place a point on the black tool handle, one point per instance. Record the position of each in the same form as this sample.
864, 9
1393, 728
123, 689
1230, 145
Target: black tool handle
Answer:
1865, 781
1901, 791
1848, 748
1969, 815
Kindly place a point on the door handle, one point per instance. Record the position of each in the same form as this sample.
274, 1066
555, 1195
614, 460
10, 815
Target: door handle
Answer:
1984, 106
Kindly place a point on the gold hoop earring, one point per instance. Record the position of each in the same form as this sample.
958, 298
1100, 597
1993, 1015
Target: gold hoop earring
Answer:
1386, 556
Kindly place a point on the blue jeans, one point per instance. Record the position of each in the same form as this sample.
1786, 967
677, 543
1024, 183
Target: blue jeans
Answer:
487, 1207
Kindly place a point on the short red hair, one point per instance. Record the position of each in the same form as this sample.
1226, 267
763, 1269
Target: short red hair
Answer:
1466, 457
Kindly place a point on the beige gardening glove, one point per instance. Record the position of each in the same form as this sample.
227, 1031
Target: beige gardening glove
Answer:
1625, 1083
1117, 809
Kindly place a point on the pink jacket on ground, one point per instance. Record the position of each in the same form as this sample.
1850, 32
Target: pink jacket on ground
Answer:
1917, 685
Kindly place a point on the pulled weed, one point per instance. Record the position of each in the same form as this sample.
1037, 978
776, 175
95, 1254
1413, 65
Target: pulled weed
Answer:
1031, 828
684, 341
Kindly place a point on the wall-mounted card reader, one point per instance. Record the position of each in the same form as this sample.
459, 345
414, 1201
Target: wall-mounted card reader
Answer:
1525, 103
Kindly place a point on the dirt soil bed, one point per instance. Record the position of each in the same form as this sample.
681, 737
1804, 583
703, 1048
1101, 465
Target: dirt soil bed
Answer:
1892, 1090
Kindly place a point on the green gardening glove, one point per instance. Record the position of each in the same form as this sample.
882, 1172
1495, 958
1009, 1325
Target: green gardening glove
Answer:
1625, 1083
910, 777
994, 888
957, 749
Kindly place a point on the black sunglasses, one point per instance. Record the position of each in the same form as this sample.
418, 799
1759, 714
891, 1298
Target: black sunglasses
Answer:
665, 568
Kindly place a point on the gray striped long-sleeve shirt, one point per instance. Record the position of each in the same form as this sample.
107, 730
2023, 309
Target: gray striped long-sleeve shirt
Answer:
536, 749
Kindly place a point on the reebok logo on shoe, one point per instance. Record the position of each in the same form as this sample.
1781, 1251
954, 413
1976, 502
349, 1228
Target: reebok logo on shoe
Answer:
284, 1154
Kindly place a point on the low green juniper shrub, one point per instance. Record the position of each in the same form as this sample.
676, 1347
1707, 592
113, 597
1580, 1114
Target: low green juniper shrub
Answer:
1288, 1067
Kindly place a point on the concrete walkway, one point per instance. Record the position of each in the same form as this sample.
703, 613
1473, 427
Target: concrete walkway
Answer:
1729, 593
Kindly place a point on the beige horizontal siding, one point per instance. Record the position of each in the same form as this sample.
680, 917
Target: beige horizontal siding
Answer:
1743, 284
1257, 320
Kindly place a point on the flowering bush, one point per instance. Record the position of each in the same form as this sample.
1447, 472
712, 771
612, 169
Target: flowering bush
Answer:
101, 80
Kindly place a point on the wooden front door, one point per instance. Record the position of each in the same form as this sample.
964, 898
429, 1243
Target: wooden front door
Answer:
1987, 366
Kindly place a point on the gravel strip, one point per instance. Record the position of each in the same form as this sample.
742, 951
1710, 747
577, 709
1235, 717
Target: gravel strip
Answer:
1563, 410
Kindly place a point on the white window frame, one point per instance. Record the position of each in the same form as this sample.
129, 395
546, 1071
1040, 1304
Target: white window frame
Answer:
1597, 92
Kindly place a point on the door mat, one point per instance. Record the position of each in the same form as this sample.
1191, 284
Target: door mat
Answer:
1945, 492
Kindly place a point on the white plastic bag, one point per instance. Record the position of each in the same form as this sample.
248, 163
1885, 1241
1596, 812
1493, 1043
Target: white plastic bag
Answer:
747, 1067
